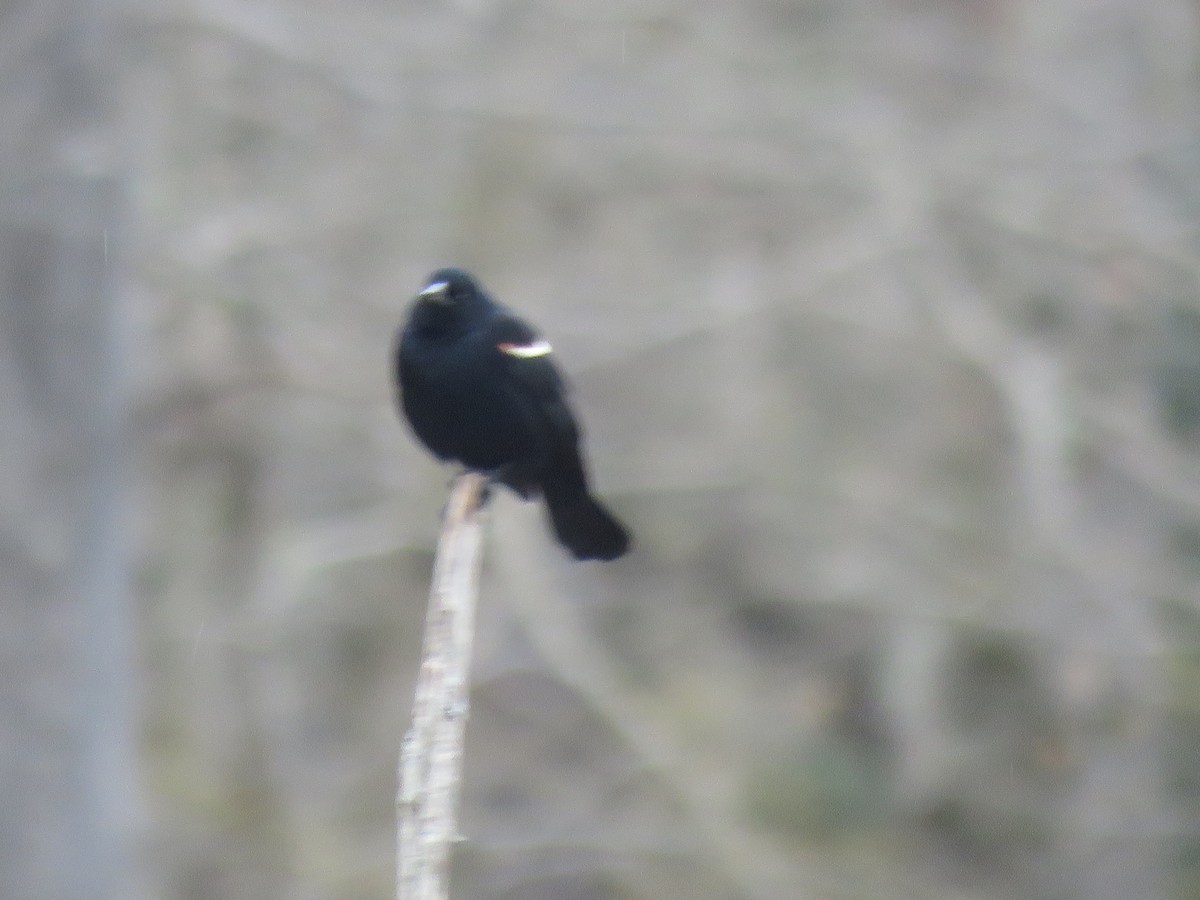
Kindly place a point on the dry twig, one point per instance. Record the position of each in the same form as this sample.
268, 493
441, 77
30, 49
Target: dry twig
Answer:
431, 756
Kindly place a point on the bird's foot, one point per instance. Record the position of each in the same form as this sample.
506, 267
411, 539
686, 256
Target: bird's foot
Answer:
485, 492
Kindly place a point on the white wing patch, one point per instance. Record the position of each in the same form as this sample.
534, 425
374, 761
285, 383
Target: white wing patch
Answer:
526, 351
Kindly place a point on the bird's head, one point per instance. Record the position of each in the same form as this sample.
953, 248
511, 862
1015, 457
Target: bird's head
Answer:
451, 301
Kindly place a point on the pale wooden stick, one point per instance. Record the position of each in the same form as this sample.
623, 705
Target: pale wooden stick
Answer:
430, 767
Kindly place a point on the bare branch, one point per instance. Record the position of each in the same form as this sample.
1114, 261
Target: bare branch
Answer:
430, 767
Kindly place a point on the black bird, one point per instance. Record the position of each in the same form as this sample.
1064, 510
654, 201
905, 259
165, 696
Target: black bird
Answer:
479, 386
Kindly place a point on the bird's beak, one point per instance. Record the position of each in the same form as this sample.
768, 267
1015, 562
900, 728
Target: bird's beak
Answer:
435, 292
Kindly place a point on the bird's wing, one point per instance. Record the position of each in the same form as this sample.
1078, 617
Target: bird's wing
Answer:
526, 356
534, 380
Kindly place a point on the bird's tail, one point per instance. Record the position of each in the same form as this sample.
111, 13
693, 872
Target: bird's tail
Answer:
585, 527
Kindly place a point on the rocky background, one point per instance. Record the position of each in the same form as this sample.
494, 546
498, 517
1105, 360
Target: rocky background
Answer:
882, 317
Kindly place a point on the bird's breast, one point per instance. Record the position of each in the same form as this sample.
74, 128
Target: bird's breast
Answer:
465, 407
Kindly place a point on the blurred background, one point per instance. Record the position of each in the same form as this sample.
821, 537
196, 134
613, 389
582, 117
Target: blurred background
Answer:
882, 318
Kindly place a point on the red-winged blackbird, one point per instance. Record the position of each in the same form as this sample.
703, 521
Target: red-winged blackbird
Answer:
478, 386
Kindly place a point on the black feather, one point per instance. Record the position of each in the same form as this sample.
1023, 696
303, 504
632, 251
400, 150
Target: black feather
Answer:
480, 387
